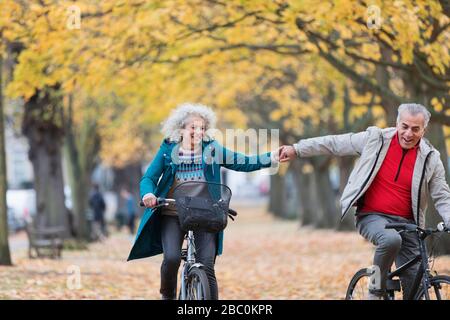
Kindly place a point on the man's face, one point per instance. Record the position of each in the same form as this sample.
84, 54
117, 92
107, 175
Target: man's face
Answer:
411, 129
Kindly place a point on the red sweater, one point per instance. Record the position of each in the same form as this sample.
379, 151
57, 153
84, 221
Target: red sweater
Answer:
390, 191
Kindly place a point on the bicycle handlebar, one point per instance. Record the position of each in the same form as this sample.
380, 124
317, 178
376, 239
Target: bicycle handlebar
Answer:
159, 202
412, 227
165, 201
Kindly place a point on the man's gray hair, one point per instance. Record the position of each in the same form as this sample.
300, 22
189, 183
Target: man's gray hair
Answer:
413, 109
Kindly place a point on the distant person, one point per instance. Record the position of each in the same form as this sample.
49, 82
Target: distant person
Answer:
97, 204
130, 209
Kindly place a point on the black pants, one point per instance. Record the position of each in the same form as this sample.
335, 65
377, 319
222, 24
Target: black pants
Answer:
172, 239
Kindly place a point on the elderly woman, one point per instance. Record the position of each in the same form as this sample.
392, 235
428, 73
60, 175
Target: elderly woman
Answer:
183, 157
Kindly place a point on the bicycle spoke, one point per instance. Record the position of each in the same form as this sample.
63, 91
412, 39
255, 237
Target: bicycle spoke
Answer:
200, 290
361, 289
195, 289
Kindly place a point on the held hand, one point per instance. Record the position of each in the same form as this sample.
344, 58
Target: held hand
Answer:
287, 153
149, 200
275, 155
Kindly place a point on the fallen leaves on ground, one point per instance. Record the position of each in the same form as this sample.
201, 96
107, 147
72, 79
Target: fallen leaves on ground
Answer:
264, 258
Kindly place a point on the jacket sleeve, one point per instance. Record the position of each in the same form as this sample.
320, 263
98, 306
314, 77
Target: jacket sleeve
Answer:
239, 162
150, 179
349, 144
440, 192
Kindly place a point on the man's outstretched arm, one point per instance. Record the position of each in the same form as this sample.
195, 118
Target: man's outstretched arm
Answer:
338, 145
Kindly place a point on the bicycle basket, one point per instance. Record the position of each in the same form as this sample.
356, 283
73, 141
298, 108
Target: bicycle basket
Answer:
202, 206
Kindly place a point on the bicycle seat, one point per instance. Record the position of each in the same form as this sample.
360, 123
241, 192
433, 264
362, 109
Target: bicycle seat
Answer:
401, 226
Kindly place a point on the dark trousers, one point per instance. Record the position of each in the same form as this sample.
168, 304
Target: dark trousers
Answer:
172, 239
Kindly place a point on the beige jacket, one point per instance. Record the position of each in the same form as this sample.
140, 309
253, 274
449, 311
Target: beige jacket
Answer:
372, 146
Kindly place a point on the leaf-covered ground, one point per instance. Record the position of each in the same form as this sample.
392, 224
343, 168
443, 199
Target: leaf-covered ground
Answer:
264, 258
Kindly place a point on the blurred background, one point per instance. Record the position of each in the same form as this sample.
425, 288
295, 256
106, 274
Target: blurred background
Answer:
85, 86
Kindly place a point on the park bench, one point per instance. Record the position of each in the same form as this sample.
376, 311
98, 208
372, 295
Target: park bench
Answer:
44, 241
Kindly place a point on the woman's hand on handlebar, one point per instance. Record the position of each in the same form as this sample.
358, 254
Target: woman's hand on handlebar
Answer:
149, 200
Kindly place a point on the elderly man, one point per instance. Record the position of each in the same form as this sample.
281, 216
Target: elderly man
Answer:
391, 181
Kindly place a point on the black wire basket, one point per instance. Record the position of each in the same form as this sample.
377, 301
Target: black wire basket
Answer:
202, 206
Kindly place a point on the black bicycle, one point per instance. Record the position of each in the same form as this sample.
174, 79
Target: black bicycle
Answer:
208, 211
426, 286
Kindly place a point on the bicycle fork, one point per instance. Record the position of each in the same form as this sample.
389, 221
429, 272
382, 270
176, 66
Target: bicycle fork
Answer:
426, 270
190, 260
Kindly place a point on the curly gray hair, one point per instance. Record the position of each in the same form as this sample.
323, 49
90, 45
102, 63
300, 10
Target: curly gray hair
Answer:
171, 128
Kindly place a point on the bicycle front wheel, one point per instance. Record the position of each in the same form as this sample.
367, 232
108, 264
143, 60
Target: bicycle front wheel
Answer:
440, 289
358, 288
197, 285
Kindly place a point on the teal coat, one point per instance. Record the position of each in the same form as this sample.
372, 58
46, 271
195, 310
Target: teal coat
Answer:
159, 178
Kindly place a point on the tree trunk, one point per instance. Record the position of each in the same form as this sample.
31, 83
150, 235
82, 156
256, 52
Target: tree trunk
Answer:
276, 195
296, 172
42, 126
291, 194
80, 151
383, 78
327, 198
307, 194
5, 256
79, 188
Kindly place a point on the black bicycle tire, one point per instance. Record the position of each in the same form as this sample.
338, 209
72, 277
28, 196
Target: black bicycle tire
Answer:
203, 279
433, 280
356, 277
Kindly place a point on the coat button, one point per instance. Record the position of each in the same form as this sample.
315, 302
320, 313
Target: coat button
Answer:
165, 154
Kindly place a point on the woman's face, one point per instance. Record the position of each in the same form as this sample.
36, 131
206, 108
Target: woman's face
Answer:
194, 130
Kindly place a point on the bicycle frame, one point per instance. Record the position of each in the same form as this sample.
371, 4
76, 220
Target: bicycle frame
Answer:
189, 263
422, 274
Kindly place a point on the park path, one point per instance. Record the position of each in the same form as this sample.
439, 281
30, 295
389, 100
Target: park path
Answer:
264, 258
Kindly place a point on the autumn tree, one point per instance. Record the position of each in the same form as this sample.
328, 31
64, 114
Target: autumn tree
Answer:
5, 257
